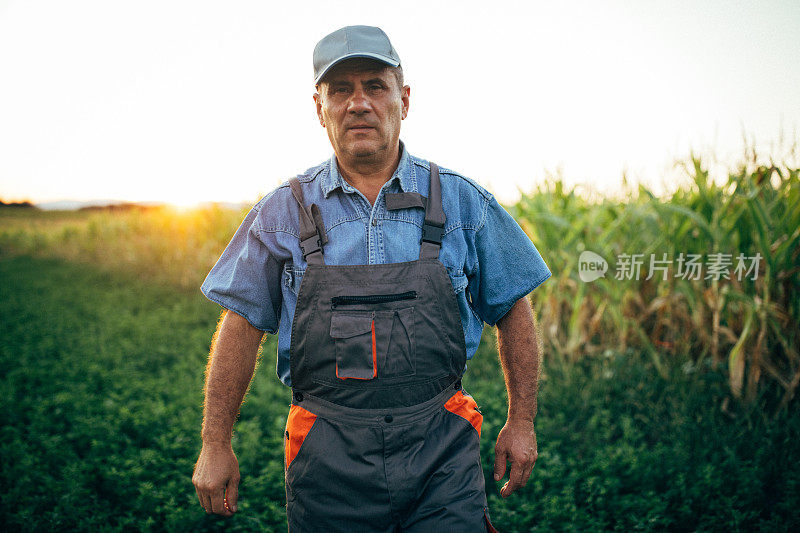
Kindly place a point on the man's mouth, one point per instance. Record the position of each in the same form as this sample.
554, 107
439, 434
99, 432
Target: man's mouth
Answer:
360, 128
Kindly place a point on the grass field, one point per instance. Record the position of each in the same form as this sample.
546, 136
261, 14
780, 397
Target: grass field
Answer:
666, 403
102, 391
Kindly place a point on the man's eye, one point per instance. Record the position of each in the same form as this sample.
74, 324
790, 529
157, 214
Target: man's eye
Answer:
340, 90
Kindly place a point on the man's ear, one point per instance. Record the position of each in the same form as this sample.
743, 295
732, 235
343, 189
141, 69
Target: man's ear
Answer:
318, 103
405, 94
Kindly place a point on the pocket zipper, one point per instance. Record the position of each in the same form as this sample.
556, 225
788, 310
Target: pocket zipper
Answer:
372, 299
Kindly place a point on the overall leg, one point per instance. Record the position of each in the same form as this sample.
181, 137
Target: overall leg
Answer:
336, 481
442, 456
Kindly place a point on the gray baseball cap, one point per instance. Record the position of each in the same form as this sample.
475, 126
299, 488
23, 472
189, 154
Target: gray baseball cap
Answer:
353, 41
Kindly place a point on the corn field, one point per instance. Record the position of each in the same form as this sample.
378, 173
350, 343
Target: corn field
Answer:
748, 322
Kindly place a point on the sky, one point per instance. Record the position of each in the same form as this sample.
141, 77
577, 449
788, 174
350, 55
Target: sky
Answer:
192, 101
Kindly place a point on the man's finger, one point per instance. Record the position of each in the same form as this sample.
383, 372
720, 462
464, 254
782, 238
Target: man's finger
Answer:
526, 475
206, 503
232, 495
514, 480
508, 489
199, 498
218, 503
517, 470
500, 457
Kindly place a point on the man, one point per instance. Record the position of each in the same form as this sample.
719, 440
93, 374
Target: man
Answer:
377, 270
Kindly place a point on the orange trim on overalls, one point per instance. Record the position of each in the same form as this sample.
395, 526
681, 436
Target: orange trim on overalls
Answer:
464, 406
374, 358
489, 527
374, 352
298, 424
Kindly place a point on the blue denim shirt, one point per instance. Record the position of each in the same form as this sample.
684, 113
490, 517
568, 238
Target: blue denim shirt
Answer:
491, 262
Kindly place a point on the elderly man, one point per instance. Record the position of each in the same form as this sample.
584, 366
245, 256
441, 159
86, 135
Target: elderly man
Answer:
377, 270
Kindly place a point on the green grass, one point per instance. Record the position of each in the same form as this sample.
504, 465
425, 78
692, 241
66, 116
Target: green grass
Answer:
102, 386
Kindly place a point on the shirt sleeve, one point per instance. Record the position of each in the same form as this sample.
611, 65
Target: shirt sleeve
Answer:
508, 268
246, 277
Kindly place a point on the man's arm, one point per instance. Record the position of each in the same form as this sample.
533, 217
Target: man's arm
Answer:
230, 368
519, 357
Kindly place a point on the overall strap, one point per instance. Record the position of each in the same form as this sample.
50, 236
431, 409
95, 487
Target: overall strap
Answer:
433, 227
312, 230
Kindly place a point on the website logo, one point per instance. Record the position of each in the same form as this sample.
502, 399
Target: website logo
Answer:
591, 266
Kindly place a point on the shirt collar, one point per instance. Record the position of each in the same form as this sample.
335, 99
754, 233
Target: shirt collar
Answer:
403, 174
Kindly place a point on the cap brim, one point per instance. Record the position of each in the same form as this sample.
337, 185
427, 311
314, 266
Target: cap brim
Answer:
383, 59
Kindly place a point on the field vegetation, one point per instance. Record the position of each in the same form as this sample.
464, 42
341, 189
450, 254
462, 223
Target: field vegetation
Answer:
745, 321
666, 403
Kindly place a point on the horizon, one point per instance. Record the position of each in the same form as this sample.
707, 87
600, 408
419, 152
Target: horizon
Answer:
718, 171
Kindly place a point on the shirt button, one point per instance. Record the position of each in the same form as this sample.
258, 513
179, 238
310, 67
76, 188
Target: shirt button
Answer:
388, 419
374, 221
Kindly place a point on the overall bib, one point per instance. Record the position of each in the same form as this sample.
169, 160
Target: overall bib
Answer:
380, 437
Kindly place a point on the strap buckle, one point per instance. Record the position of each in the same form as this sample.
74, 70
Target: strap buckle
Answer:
432, 233
311, 245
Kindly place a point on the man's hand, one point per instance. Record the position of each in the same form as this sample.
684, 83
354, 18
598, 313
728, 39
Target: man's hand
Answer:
518, 347
216, 478
516, 444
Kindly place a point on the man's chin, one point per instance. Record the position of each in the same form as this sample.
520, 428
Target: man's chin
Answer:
364, 151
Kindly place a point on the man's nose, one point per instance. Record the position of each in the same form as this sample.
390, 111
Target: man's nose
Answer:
359, 103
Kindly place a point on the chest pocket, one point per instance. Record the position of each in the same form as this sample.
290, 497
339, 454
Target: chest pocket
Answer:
374, 343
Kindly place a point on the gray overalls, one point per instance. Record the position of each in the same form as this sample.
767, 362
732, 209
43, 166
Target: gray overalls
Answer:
380, 437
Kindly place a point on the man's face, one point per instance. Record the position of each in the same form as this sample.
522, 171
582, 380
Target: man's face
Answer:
361, 106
